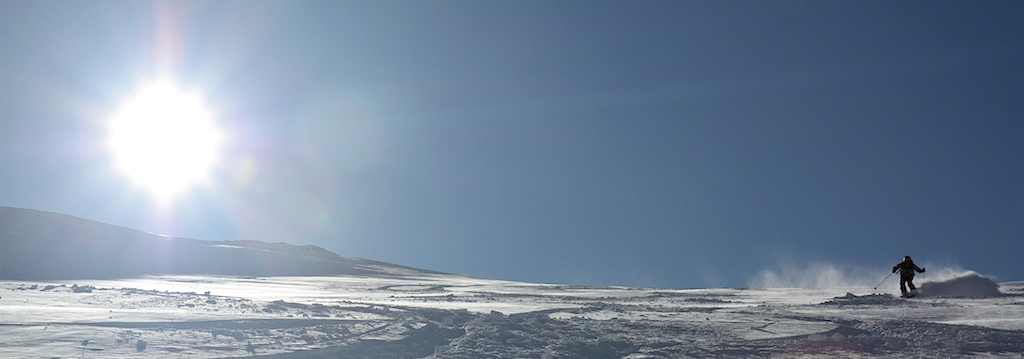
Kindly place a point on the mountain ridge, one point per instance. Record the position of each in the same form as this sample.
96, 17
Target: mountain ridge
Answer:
40, 245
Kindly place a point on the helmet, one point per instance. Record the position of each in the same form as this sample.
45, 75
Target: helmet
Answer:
906, 258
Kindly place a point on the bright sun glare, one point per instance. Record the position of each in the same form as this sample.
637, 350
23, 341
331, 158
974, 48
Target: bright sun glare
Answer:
164, 139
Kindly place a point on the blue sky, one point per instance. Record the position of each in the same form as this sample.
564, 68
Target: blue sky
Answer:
675, 143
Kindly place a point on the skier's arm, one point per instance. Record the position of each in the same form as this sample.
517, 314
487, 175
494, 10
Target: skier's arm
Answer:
919, 270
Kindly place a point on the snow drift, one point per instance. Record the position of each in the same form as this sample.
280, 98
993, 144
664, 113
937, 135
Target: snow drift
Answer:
966, 285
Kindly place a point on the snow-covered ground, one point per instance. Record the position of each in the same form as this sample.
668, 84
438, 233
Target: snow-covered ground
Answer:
276, 300
444, 316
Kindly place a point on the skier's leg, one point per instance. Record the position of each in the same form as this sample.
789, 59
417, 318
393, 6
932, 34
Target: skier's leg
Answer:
910, 283
903, 285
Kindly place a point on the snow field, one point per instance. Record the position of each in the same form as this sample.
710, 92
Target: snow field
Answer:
444, 316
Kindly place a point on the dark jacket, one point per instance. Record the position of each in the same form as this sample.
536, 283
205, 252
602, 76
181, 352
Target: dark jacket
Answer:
907, 269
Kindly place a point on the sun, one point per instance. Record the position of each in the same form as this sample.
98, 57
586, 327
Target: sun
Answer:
164, 139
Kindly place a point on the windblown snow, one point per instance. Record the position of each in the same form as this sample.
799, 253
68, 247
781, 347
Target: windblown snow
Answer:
377, 310
966, 285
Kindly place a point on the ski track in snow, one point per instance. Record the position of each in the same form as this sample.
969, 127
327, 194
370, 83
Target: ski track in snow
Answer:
444, 316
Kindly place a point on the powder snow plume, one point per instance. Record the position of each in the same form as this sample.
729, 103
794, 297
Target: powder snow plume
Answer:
938, 280
817, 275
963, 285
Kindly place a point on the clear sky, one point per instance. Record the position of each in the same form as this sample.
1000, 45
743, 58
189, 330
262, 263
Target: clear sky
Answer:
654, 143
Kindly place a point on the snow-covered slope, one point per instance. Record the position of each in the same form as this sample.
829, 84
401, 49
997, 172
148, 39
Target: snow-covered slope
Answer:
444, 316
36, 245
376, 310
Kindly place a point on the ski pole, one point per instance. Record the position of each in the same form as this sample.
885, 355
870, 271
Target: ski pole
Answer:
883, 280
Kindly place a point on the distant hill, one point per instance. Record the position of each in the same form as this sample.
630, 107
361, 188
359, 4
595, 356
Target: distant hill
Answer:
37, 245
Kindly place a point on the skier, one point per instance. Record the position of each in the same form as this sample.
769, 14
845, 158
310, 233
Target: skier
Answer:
907, 269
